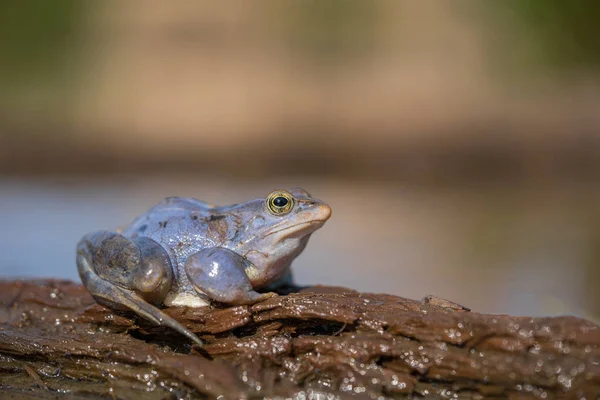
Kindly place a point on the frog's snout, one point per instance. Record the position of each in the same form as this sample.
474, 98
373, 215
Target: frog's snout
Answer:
324, 212
314, 211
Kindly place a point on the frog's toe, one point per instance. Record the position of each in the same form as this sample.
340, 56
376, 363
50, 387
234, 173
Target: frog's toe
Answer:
245, 297
255, 297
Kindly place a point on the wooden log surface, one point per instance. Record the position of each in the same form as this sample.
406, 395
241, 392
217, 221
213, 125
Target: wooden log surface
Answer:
317, 343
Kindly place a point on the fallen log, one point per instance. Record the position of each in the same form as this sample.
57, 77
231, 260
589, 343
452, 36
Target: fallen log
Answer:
318, 341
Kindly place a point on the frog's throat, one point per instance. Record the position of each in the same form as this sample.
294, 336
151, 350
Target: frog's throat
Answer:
316, 221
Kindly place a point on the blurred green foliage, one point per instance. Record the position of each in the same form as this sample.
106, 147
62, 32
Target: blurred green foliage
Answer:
567, 31
333, 31
38, 40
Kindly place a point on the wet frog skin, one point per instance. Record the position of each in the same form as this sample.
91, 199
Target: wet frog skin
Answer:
184, 252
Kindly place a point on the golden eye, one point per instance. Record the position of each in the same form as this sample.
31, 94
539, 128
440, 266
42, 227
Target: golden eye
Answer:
280, 202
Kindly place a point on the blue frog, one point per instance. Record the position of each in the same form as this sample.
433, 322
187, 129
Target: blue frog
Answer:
185, 252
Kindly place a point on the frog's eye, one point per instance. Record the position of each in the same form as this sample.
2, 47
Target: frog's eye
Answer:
280, 202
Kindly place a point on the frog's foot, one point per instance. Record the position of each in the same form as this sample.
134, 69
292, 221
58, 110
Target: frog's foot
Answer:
220, 274
443, 303
258, 297
121, 273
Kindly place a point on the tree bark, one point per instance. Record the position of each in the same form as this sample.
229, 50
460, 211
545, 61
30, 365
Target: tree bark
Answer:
314, 343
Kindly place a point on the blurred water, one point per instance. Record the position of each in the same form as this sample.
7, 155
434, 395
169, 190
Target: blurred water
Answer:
523, 252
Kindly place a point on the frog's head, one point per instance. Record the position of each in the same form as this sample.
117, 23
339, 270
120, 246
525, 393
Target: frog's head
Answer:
275, 230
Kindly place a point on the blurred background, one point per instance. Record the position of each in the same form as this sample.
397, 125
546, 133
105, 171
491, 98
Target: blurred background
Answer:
458, 142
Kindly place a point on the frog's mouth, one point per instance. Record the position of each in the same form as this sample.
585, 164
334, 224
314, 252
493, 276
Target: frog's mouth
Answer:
298, 230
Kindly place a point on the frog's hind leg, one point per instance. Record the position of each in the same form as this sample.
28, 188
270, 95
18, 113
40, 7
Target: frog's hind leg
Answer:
221, 274
122, 273
112, 294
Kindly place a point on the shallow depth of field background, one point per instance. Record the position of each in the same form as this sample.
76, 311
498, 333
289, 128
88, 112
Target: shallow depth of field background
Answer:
458, 142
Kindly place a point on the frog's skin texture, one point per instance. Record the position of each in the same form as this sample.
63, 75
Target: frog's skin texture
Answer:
184, 252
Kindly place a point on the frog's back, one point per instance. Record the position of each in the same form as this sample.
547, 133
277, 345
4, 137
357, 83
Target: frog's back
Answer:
177, 223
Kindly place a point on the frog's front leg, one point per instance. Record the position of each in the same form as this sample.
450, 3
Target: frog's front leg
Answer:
221, 274
124, 273
286, 281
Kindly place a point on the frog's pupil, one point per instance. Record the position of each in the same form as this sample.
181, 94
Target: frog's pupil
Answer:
280, 201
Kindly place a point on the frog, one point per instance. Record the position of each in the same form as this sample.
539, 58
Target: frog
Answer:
186, 252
